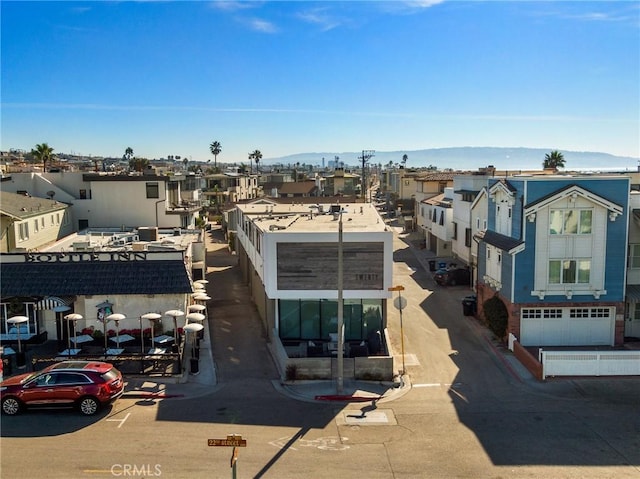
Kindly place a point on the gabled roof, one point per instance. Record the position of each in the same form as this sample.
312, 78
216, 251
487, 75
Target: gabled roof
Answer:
94, 277
434, 200
573, 191
481, 194
297, 187
505, 243
438, 176
503, 185
22, 206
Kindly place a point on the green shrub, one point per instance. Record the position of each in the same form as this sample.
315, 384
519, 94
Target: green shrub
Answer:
496, 316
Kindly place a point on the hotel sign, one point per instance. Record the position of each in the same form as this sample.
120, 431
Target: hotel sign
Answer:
86, 257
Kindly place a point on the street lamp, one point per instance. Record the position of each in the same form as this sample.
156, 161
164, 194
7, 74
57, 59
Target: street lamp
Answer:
400, 303
340, 379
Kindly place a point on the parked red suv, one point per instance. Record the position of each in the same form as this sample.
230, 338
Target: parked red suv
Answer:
87, 385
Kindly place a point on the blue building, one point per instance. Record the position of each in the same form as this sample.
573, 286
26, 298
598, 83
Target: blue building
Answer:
554, 252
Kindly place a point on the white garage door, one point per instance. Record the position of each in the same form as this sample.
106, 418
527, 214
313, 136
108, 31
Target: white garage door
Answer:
567, 326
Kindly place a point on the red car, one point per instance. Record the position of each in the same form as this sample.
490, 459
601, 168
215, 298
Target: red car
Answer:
87, 385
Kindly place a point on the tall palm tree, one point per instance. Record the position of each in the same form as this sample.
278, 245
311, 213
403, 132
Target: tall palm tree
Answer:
256, 156
43, 153
215, 148
405, 157
554, 160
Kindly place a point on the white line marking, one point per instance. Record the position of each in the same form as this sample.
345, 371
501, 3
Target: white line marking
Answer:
121, 421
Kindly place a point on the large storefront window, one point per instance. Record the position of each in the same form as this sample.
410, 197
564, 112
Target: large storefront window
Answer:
289, 319
315, 319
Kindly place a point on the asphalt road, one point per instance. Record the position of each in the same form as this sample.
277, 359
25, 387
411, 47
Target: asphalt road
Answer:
467, 415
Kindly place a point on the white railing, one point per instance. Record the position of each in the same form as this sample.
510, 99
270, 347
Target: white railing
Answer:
590, 363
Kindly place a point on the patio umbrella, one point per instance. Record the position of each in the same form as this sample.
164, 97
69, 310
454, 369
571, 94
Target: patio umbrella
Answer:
201, 281
201, 297
152, 317
195, 317
196, 308
198, 286
18, 320
72, 317
175, 313
116, 317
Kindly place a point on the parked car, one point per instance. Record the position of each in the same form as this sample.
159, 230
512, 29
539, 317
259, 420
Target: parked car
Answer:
87, 385
452, 277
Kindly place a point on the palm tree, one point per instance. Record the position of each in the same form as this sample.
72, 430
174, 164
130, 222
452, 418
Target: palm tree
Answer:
256, 156
215, 148
405, 157
554, 160
138, 164
43, 153
185, 162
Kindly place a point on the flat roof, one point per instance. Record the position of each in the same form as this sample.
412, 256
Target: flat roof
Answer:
315, 218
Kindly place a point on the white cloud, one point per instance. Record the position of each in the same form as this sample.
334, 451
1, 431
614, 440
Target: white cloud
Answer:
260, 25
320, 17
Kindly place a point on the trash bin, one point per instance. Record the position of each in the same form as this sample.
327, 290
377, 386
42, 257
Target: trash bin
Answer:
469, 304
442, 265
432, 265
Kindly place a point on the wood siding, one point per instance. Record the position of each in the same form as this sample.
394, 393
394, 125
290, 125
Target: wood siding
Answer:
314, 266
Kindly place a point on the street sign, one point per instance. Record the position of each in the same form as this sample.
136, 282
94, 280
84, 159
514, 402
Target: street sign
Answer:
396, 288
230, 441
400, 302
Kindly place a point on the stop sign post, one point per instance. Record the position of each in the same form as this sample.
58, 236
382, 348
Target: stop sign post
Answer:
400, 303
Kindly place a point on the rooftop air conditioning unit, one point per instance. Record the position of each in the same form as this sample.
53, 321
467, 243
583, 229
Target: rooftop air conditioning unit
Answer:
81, 246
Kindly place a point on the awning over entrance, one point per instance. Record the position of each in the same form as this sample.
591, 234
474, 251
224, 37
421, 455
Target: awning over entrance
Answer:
51, 302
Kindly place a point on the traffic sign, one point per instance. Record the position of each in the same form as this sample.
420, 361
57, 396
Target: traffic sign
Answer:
230, 441
400, 302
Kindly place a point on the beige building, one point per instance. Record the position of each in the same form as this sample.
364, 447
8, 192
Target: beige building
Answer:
30, 223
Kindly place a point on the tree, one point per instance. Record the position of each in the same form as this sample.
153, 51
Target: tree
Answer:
128, 154
215, 147
405, 157
43, 153
554, 160
256, 156
185, 162
138, 164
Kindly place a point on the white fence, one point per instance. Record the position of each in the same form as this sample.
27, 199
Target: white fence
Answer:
590, 363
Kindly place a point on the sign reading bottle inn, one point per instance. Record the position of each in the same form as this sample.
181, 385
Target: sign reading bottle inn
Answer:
91, 257
230, 441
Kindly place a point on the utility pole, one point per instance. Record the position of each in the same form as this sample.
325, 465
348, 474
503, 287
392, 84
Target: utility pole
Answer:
366, 156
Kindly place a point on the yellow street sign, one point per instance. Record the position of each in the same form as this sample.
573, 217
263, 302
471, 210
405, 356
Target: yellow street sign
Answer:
230, 441
396, 288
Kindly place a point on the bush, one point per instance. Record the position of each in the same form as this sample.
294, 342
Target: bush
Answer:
292, 372
496, 316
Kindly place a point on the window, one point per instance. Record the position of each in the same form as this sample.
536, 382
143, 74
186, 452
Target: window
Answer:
23, 231
569, 271
455, 230
35, 226
153, 190
83, 194
467, 237
42, 222
570, 222
634, 256
441, 222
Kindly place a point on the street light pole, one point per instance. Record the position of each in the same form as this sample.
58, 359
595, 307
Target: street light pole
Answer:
340, 381
401, 303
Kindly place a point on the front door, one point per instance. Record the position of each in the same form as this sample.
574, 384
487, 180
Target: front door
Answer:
632, 324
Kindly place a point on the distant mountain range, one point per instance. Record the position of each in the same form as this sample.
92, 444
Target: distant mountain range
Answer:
471, 158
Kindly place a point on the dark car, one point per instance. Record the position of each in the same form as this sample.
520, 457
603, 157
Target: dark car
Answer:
452, 277
87, 385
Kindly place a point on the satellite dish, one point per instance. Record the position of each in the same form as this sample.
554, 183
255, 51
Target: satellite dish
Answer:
51, 194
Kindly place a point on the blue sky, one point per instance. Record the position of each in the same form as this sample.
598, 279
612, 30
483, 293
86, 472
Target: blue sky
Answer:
167, 78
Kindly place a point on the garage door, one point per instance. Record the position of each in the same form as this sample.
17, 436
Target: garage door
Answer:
567, 326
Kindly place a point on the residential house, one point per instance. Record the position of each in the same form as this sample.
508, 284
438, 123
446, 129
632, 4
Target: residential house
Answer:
103, 200
554, 252
29, 222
